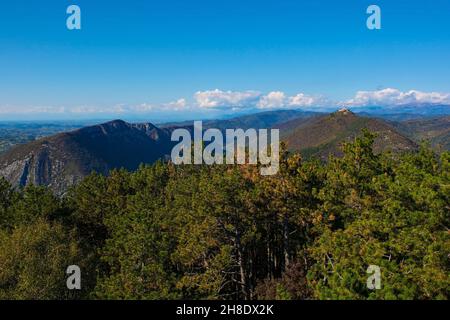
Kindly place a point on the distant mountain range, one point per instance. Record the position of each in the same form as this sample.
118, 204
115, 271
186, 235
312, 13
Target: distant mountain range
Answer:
406, 110
259, 120
60, 161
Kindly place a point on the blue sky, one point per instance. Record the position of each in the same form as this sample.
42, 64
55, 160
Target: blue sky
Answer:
181, 58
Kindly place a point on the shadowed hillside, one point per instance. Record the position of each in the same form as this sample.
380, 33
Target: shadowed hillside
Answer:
64, 159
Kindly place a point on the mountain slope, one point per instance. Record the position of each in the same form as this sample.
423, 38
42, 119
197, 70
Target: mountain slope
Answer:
406, 111
260, 120
319, 136
64, 159
436, 130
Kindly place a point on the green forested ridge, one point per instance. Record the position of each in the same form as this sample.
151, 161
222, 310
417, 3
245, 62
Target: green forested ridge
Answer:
226, 232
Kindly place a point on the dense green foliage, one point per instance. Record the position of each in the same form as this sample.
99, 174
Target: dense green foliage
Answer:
226, 232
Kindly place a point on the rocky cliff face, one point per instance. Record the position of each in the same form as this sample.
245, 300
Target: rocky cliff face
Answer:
62, 160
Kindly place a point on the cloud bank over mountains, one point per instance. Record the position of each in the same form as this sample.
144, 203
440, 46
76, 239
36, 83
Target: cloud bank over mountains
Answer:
236, 101
388, 97
226, 99
394, 97
254, 99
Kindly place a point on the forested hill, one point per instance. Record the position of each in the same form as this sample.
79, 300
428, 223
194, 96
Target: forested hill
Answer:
323, 135
225, 232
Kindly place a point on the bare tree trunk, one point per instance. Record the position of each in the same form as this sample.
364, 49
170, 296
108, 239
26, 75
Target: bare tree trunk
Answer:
286, 240
240, 261
269, 261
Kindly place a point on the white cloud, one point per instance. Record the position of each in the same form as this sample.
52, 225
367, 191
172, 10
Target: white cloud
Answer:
219, 100
233, 100
177, 105
180, 104
203, 100
143, 107
10, 109
274, 99
395, 97
226, 99
304, 100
